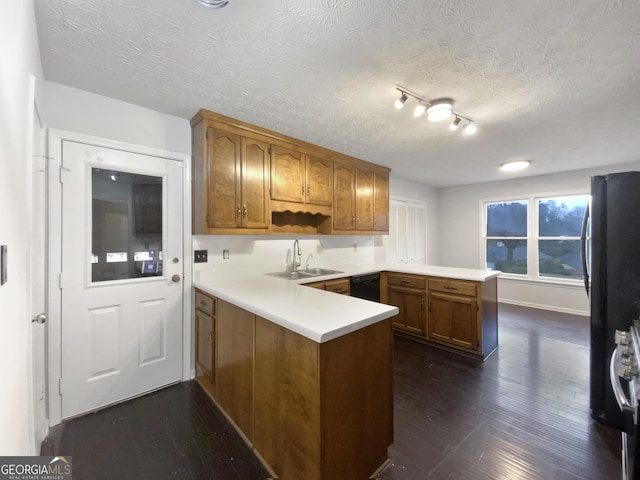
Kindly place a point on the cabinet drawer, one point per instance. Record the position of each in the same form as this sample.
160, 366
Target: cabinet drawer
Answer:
413, 281
205, 303
453, 286
339, 285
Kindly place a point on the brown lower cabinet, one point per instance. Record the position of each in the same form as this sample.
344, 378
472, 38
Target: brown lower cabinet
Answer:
205, 327
460, 315
337, 285
310, 410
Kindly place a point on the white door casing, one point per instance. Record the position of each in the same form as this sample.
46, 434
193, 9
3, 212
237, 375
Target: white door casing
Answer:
117, 338
36, 192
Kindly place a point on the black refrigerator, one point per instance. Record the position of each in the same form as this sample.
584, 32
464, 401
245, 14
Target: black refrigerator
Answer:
613, 280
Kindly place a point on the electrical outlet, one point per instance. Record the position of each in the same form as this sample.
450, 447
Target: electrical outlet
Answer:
225, 254
200, 256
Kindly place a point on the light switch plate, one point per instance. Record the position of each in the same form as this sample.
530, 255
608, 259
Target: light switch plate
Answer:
3, 264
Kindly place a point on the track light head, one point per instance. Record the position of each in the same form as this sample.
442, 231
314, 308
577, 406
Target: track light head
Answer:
400, 102
420, 109
470, 128
440, 109
455, 123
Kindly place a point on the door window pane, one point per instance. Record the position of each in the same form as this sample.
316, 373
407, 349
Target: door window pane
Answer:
126, 225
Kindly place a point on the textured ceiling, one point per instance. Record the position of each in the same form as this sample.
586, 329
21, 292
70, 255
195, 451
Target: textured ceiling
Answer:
554, 82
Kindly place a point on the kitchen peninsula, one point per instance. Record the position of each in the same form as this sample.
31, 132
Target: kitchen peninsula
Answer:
305, 374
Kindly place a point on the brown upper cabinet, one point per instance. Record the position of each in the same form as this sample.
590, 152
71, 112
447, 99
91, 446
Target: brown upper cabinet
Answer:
300, 178
231, 183
381, 201
361, 199
250, 180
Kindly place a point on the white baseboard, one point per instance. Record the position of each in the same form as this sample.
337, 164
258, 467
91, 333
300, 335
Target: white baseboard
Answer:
540, 306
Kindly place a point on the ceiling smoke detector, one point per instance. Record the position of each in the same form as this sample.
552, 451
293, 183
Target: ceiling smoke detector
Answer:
213, 3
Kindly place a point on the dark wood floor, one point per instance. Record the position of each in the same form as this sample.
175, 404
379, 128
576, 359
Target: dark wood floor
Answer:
175, 433
523, 414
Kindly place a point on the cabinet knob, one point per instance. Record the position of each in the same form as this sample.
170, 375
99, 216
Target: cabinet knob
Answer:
244, 211
239, 212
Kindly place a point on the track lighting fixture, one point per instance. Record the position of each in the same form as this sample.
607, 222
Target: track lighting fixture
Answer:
437, 110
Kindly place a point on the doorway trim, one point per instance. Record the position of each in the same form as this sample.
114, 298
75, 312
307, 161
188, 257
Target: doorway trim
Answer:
54, 263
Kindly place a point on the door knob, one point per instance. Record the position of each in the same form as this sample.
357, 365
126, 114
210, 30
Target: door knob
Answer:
40, 318
175, 278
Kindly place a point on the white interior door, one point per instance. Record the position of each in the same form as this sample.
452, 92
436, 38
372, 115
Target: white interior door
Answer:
122, 273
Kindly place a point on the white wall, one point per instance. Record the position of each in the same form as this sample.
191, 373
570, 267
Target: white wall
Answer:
78, 111
330, 251
407, 190
20, 56
459, 233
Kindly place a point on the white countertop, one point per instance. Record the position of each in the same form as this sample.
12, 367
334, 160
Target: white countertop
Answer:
316, 314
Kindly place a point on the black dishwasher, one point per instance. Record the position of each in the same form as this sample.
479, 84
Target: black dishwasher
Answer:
366, 286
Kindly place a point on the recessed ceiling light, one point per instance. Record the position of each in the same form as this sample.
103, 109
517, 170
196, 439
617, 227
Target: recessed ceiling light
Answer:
213, 3
513, 166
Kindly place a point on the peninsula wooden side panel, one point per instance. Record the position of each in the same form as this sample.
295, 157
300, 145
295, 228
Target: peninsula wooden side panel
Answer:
323, 411
234, 352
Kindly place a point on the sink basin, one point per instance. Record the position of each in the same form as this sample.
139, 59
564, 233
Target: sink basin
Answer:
288, 275
299, 274
321, 271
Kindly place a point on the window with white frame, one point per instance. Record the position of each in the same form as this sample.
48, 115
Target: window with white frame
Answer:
536, 237
506, 236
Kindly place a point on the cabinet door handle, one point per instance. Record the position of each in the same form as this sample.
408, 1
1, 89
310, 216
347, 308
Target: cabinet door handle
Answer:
244, 211
337, 289
239, 212
210, 338
308, 190
203, 303
449, 287
405, 282
303, 189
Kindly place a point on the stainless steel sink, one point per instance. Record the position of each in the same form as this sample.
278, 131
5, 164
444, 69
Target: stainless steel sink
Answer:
289, 275
300, 274
316, 272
